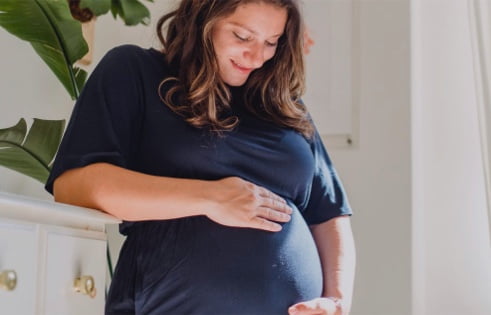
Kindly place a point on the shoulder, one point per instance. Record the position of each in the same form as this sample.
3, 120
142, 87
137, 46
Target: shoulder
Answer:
135, 55
133, 60
127, 51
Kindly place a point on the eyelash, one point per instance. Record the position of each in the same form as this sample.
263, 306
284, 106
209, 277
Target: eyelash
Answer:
241, 38
248, 39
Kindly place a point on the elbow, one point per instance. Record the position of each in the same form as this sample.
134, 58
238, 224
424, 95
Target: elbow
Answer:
59, 192
69, 188
85, 187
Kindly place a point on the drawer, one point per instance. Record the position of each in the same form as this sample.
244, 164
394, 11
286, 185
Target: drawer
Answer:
18, 253
67, 258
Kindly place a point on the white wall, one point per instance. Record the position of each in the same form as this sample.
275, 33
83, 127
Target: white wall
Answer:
452, 255
377, 174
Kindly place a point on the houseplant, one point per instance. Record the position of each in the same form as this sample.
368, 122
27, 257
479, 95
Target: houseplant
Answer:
53, 28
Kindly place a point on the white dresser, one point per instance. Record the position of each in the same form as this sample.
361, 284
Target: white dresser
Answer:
52, 257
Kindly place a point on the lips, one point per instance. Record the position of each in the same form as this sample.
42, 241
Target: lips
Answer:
240, 67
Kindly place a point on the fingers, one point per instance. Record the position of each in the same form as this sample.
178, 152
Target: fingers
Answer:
266, 217
276, 205
263, 224
254, 206
263, 192
272, 209
273, 215
318, 306
273, 201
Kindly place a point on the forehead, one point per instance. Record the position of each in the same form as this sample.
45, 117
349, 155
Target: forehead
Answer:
259, 17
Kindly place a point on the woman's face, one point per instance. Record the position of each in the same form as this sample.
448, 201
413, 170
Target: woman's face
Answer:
246, 39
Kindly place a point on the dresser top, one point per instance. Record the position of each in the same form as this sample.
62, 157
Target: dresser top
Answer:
22, 208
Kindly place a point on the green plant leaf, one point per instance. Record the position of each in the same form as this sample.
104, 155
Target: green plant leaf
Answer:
15, 133
53, 33
133, 12
44, 138
80, 77
31, 155
115, 8
98, 7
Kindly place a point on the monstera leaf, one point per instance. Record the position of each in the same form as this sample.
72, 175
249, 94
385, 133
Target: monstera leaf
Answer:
131, 11
97, 7
57, 38
53, 33
31, 153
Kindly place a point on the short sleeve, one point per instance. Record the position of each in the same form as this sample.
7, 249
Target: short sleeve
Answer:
327, 196
105, 122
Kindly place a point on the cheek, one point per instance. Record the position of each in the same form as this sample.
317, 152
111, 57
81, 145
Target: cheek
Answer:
220, 43
226, 49
269, 54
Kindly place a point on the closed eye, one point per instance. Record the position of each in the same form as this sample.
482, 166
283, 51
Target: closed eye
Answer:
248, 39
244, 39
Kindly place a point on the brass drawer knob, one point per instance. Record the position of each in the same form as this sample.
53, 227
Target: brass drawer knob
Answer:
8, 280
85, 285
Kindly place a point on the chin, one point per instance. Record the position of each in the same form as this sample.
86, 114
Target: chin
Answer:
236, 83
234, 80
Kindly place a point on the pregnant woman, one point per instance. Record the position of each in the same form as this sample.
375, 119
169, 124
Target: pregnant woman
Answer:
206, 152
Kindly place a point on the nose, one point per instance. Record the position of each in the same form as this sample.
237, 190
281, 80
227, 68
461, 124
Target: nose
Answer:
255, 56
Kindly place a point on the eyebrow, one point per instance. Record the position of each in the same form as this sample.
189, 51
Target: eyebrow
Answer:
251, 30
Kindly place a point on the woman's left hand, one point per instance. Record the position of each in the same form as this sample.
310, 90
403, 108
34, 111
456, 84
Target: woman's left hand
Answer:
318, 306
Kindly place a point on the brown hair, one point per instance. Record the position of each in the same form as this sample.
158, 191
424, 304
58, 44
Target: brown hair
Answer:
202, 97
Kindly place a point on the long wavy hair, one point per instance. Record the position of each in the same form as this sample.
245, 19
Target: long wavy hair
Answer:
196, 91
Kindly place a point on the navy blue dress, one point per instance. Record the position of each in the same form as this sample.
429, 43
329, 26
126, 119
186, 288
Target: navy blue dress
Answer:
193, 265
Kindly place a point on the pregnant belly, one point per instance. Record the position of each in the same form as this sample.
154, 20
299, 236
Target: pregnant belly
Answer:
202, 267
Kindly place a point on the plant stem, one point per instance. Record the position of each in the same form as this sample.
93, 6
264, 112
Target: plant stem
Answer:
63, 50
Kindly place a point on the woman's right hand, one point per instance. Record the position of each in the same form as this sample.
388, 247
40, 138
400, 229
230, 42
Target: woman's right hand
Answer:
237, 202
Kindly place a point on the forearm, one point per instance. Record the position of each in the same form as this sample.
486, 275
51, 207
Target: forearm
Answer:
336, 248
131, 195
